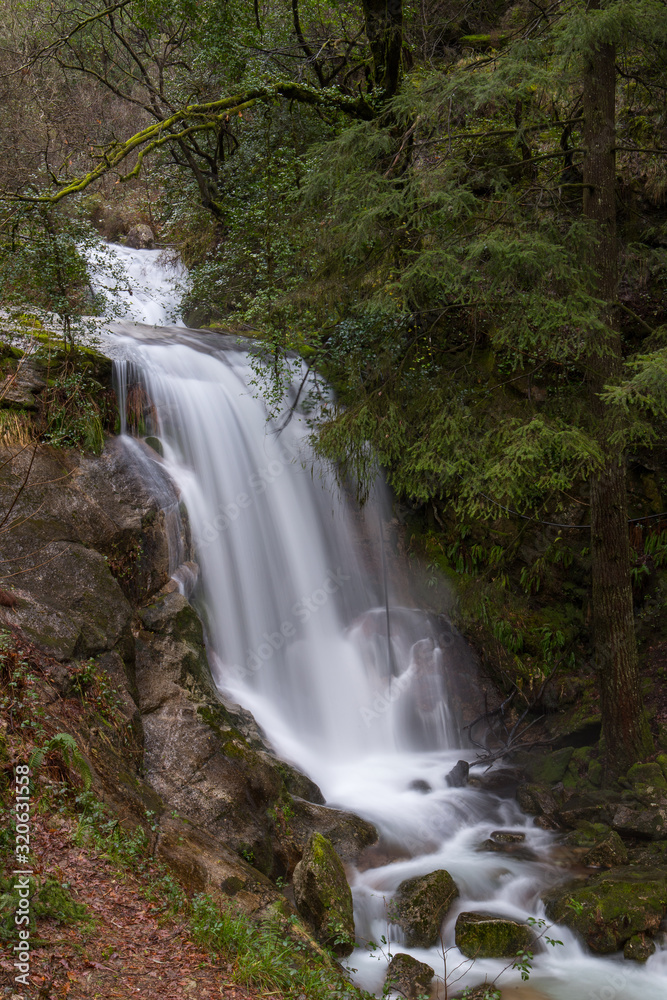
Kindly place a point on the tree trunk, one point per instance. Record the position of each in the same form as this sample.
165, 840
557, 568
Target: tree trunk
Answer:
384, 30
625, 734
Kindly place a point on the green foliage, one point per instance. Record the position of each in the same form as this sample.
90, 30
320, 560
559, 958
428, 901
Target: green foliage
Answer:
43, 265
49, 900
19, 698
65, 746
268, 956
73, 416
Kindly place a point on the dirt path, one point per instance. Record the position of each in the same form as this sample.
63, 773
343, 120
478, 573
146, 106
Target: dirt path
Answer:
126, 948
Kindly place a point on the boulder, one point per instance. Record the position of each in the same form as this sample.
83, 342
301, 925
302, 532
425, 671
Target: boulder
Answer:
323, 896
639, 948
649, 777
421, 904
20, 384
636, 820
612, 907
458, 776
545, 769
419, 785
510, 849
407, 976
205, 768
537, 800
140, 237
608, 853
488, 935
501, 781
508, 836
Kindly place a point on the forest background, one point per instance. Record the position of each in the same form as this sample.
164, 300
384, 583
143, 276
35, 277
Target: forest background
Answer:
455, 213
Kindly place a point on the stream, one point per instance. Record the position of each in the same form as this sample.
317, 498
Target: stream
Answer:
292, 593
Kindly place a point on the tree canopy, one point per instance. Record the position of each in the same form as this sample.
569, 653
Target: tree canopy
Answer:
455, 214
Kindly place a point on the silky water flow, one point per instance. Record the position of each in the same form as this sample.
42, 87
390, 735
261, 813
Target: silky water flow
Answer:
288, 576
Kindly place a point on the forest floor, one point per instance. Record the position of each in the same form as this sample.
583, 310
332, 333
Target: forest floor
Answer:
127, 944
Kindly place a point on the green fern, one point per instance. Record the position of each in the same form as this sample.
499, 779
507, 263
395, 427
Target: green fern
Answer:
68, 749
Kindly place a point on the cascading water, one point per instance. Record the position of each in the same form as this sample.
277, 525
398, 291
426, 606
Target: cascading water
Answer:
291, 589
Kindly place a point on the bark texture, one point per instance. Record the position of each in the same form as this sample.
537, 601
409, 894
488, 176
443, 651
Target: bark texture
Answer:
384, 30
625, 733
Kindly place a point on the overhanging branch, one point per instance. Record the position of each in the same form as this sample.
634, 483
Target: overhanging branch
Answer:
198, 118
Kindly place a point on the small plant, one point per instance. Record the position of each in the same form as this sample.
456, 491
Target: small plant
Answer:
67, 747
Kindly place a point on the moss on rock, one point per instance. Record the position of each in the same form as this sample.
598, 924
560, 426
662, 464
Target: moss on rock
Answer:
421, 904
323, 896
488, 935
611, 908
408, 977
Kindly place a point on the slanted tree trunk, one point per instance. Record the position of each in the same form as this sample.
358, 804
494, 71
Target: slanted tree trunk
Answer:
625, 733
384, 30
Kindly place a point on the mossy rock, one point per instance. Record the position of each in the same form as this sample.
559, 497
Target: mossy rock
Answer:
607, 853
408, 977
639, 948
545, 769
323, 896
421, 904
646, 777
635, 819
488, 935
611, 908
173, 615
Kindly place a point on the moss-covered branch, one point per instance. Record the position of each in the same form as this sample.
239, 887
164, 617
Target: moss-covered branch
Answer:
198, 118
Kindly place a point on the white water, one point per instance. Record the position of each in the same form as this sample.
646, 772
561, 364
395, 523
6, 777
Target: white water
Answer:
293, 599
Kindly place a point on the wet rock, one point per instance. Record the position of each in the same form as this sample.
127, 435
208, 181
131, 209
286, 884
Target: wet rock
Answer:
639, 948
421, 904
608, 853
508, 836
488, 935
419, 785
323, 897
502, 781
140, 237
458, 776
517, 851
408, 977
612, 907
537, 800
204, 768
379, 855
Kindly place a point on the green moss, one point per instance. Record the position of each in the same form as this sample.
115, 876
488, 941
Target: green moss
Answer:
323, 895
486, 935
644, 777
420, 905
611, 908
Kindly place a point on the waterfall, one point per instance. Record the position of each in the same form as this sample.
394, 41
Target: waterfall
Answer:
294, 598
